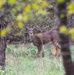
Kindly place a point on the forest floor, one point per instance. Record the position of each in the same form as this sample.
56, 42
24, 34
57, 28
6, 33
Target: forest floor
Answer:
23, 60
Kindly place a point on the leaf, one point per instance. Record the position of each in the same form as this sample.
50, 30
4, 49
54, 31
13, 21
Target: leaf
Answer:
71, 32
62, 15
45, 4
19, 17
8, 50
70, 12
4, 32
63, 29
60, 1
27, 8
71, 9
38, 1
1, 3
71, 6
24, 53
20, 25
30, 16
42, 12
12, 1
25, 18
33, 52
35, 6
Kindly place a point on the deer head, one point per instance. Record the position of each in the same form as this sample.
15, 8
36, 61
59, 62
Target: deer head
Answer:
30, 32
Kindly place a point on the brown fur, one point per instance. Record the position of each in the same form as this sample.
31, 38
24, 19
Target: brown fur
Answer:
41, 39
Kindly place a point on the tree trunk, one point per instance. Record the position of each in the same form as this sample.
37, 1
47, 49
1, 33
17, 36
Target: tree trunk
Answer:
2, 44
4, 21
64, 40
2, 52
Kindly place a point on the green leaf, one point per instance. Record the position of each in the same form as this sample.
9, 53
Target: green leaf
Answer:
12, 1
20, 25
71, 6
35, 6
2, 2
33, 52
27, 8
63, 29
62, 15
19, 17
60, 1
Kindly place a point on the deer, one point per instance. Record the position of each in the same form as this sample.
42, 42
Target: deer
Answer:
40, 39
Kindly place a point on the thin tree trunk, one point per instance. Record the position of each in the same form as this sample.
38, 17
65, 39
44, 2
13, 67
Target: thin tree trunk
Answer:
2, 52
3, 23
2, 45
64, 40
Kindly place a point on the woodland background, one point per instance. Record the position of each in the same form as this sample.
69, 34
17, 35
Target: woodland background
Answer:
15, 17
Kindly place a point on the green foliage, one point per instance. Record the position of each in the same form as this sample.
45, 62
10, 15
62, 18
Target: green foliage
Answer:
60, 1
24, 53
22, 64
33, 52
12, 1
63, 29
66, 31
20, 25
71, 6
71, 33
9, 50
62, 16
4, 32
2, 2
25, 11
71, 9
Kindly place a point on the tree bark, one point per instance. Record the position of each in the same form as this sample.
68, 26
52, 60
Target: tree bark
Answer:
2, 52
64, 40
2, 46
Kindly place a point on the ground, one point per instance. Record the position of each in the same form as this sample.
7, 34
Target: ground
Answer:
23, 60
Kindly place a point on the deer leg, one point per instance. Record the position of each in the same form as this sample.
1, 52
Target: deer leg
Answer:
57, 54
40, 55
57, 46
43, 52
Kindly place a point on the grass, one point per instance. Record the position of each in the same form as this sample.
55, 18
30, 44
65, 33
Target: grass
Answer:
22, 60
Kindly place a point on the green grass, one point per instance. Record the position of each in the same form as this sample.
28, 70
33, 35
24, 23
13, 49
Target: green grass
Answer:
23, 60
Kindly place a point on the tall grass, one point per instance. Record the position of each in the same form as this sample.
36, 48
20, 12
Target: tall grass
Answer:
23, 60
